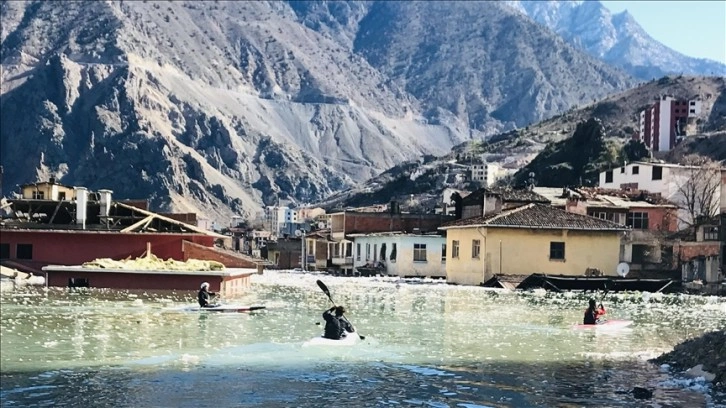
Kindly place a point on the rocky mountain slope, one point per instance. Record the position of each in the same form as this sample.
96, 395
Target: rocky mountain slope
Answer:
222, 107
548, 148
615, 38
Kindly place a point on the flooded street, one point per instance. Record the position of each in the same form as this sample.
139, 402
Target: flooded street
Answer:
427, 344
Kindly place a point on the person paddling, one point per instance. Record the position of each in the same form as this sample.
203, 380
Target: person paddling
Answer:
593, 313
336, 325
204, 297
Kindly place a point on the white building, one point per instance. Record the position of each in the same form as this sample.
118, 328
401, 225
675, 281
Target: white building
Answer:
662, 178
277, 218
485, 173
405, 255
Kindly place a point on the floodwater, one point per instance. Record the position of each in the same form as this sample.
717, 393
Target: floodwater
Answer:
426, 344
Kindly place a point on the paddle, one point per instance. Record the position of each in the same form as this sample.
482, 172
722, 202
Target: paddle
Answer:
327, 292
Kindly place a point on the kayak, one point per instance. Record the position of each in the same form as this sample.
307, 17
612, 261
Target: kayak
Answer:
608, 324
349, 340
222, 309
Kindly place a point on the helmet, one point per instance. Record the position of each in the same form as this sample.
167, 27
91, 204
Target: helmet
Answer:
205, 285
592, 302
339, 310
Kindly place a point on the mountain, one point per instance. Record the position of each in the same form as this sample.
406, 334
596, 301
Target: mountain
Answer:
222, 107
563, 150
478, 61
615, 38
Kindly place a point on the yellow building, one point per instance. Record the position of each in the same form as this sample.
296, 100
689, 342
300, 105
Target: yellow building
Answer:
533, 238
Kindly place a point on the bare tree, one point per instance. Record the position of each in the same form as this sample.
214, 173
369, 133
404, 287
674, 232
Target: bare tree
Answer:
699, 190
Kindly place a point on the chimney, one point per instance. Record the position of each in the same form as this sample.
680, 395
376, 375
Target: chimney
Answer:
81, 205
105, 202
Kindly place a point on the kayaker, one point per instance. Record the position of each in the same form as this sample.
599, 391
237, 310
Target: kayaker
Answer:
593, 313
205, 296
336, 325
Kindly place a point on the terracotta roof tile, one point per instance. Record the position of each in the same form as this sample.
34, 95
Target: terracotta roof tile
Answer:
508, 195
537, 216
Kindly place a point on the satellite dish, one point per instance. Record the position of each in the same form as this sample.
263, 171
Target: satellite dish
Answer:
321, 225
623, 269
298, 233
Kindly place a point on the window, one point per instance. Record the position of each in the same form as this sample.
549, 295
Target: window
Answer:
357, 251
368, 252
455, 249
348, 249
38, 195
609, 176
383, 252
637, 220
710, 233
4, 251
443, 253
393, 253
640, 254
475, 248
419, 252
375, 252
25, 251
62, 195
636, 169
557, 250
622, 170
693, 111
657, 173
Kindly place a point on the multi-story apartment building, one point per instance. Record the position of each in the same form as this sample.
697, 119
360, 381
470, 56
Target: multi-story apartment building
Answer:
663, 124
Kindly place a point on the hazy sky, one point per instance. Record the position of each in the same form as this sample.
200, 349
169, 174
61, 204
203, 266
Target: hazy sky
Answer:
694, 28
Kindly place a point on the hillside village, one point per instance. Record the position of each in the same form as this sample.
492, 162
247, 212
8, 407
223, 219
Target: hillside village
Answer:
466, 216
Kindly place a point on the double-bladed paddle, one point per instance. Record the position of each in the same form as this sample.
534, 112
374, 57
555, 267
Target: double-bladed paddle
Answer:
327, 292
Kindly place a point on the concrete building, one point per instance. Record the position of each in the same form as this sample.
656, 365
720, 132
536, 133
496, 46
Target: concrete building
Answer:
485, 173
663, 124
532, 238
399, 254
668, 180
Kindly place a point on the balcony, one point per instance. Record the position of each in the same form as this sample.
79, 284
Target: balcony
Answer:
342, 261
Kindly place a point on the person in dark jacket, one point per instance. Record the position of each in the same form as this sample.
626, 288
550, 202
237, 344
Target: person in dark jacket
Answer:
593, 313
204, 297
336, 325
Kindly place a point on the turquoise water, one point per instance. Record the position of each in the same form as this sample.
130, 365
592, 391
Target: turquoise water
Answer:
427, 344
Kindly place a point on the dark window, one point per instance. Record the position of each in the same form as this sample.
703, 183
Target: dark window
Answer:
25, 251
637, 220
557, 250
383, 251
657, 173
357, 252
419, 252
609, 176
693, 111
62, 195
455, 249
710, 233
443, 252
636, 169
393, 252
640, 254
622, 170
475, 248
4, 251
38, 195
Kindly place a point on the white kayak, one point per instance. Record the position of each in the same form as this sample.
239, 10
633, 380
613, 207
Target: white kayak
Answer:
222, 308
349, 340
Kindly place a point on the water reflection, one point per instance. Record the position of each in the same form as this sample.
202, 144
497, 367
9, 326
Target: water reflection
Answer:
432, 344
